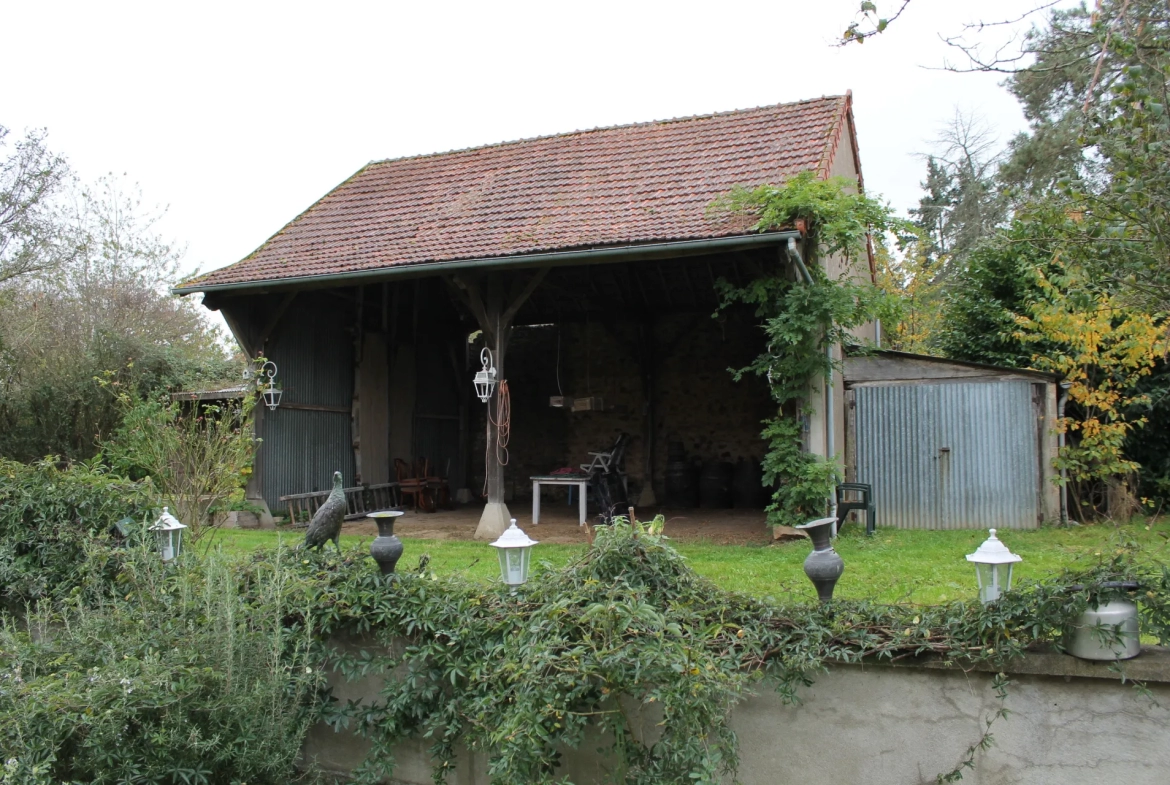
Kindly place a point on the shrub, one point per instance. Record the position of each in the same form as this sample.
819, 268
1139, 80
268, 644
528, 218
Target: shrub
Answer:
49, 520
181, 679
198, 455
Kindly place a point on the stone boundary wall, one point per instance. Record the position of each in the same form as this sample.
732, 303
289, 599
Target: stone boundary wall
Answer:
1071, 723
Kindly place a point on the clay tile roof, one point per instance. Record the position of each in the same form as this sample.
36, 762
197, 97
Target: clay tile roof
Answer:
643, 183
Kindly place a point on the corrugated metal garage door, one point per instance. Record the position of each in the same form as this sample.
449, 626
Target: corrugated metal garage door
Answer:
950, 456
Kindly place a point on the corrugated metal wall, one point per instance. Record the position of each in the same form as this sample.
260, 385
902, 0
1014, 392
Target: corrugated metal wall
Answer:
436, 412
950, 456
301, 447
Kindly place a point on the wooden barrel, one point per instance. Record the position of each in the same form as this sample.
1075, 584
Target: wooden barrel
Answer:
715, 484
747, 489
681, 488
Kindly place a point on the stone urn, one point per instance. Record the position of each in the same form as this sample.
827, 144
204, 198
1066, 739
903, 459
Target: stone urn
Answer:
386, 547
823, 566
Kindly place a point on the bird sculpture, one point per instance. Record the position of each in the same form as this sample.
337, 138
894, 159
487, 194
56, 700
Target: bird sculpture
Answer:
326, 523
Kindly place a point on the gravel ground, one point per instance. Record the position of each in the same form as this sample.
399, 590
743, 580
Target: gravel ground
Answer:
558, 523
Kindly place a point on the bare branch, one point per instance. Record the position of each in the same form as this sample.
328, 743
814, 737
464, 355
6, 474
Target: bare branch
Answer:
868, 23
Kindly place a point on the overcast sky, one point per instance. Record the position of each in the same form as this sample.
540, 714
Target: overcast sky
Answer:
237, 116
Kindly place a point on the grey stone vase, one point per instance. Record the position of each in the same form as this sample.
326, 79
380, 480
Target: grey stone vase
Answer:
386, 547
823, 566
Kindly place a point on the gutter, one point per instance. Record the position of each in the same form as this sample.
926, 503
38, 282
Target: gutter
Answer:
830, 423
1060, 403
555, 259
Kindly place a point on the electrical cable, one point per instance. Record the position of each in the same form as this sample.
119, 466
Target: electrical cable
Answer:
502, 422
560, 392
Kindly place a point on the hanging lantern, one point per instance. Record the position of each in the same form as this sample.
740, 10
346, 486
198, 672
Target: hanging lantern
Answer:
271, 392
170, 535
485, 378
514, 549
993, 568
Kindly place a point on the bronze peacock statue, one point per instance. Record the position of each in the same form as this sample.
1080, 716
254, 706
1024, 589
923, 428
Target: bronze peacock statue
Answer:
326, 523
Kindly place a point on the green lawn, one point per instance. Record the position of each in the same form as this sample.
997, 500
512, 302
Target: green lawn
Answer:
893, 565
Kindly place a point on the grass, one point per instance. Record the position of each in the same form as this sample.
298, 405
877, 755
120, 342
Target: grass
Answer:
895, 565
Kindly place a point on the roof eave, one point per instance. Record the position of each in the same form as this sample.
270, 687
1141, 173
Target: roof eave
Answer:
599, 255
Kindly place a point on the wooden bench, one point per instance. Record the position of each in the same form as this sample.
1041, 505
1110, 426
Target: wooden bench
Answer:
359, 501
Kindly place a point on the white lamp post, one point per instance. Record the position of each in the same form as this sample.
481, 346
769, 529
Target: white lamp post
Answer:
485, 378
170, 535
514, 549
993, 568
271, 393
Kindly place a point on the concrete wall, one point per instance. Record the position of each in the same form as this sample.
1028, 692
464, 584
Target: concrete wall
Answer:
1071, 723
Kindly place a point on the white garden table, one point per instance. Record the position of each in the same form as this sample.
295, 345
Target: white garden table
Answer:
580, 480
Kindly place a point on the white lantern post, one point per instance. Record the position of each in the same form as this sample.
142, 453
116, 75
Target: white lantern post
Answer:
515, 550
993, 568
170, 535
485, 378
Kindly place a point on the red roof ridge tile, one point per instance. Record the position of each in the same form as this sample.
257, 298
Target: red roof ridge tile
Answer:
617, 127
834, 137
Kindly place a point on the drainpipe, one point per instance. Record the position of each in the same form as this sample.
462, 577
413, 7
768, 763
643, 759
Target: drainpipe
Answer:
1060, 402
794, 255
877, 332
830, 424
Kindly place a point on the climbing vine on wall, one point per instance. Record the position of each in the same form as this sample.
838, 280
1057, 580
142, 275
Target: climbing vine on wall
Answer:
800, 318
629, 639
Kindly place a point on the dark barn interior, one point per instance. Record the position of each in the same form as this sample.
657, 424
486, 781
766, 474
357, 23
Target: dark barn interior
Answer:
383, 370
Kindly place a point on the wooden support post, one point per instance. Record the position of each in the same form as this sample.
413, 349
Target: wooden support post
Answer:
494, 311
647, 363
355, 415
498, 341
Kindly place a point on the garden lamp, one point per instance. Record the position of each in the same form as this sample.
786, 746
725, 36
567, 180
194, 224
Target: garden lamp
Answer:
271, 393
993, 568
514, 549
485, 378
170, 535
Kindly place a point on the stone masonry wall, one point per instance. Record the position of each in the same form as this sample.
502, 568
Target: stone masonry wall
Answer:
698, 402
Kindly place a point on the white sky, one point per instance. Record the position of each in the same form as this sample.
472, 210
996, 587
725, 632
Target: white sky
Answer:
240, 115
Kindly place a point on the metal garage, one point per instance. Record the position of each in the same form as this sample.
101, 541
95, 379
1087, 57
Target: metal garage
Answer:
950, 445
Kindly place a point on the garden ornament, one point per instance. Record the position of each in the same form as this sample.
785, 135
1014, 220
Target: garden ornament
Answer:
386, 549
823, 566
326, 523
514, 549
1108, 630
993, 567
170, 535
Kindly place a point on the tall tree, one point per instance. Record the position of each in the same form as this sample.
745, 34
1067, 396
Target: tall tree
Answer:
961, 204
1095, 87
30, 230
100, 312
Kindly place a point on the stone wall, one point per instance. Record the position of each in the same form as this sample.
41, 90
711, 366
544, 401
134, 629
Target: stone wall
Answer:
1071, 723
